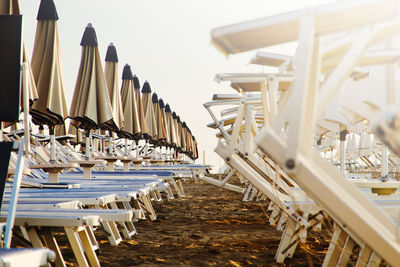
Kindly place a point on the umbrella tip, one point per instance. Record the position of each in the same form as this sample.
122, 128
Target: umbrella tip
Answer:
89, 37
127, 73
136, 83
111, 44
174, 115
161, 103
167, 108
111, 55
154, 98
146, 88
47, 10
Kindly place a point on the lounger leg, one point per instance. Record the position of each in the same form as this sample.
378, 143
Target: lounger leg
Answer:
110, 166
253, 193
170, 194
34, 238
158, 195
282, 221
149, 207
176, 188
246, 195
24, 232
285, 240
87, 244
126, 166
87, 173
335, 247
346, 252
180, 185
364, 255
53, 177
113, 234
51, 243
295, 241
77, 248
374, 260
92, 238
128, 229
274, 215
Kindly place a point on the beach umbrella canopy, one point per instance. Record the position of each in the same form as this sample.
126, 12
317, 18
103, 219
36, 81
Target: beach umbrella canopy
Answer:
91, 106
112, 77
181, 133
161, 134
51, 107
187, 137
131, 128
176, 126
11, 7
142, 120
171, 124
149, 111
165, 122
195, 149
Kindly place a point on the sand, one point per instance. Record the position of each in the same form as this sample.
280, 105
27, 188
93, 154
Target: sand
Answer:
211, 226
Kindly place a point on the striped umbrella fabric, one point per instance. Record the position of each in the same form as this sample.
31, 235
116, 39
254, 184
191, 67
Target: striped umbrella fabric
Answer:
51, 107
161, 104
161, 134
149, 111
181, 133
112, 80
91, 106
142, 120
131, 127
170, 122
176, 128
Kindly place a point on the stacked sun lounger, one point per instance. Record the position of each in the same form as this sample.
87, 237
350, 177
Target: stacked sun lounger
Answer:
301, 139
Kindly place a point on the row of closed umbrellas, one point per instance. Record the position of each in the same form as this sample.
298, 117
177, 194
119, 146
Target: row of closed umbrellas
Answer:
98, 102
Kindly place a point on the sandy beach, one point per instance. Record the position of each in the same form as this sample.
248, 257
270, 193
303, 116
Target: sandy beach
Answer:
211, 226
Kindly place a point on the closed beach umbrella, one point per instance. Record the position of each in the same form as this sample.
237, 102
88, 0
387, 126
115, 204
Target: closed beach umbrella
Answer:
186, 136
167, 141
171, 124
112, 77
51, 107
91, 106
11, 7
196, 150
131, 127
149, 111
142, 120
182, 135
161, 135
176, 128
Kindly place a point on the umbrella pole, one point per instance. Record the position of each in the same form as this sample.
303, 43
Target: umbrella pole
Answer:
52, 144
87, 145
137, 149
110, 144
126, 147
26, 109
146, 151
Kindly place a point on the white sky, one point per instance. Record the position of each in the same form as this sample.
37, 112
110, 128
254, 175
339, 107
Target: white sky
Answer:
167, 42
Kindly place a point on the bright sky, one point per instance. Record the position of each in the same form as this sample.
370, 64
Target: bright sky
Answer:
165, 42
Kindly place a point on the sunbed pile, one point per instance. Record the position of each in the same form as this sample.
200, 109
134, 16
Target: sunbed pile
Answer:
88, 180
303, 138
